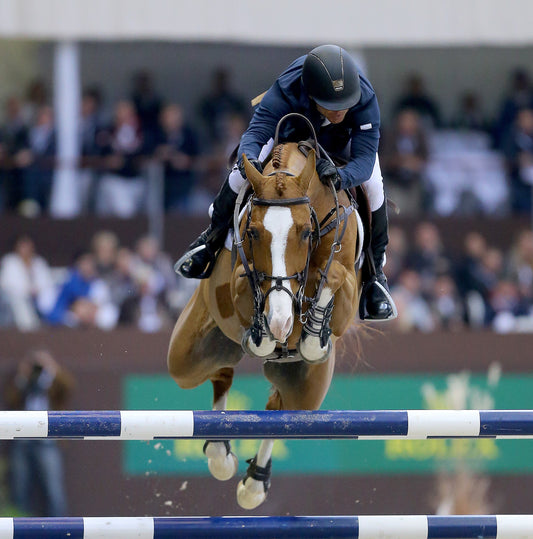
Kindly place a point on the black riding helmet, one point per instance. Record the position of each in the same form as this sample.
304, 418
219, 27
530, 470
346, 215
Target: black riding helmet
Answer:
331, 78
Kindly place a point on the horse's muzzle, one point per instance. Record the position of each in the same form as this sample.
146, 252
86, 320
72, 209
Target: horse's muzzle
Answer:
280, 325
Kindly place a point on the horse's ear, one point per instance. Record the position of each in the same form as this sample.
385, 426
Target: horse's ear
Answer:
308, 171
253, 175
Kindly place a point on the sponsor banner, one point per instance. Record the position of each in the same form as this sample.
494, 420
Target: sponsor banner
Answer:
394, 392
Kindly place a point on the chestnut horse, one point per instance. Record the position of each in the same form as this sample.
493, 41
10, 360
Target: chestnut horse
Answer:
292, 293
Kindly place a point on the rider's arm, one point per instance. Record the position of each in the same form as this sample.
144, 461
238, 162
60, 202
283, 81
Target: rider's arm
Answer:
363, 146
262, 127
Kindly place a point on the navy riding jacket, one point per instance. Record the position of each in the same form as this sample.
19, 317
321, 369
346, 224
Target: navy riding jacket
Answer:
355, 139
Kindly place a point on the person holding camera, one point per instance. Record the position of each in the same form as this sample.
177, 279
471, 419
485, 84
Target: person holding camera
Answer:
38, 384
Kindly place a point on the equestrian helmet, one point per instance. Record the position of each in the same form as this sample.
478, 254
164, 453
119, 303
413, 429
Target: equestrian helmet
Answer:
331, 78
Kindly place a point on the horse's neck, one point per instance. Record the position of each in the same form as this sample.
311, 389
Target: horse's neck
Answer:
321, 198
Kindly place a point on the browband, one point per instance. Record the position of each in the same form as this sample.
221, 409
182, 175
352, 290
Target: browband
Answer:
280, 201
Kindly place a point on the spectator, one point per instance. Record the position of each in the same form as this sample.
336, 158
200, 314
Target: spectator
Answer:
13, 136
469, 279
104, 246
26, 283
519, 96
215, 166
155, 279
38, 384
405, 153
84, 300
491, 272
36, 98
177, 148
37, 160
427, 256
507, 306
91, 122
520, 266
123, 287
147, 103
396, 253
414, 312
446, 304
518, 149
219, 104
415, 97
122, 187
469, 115
4, 166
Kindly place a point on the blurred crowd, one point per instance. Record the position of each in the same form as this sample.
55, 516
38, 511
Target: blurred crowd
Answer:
106, 285
119, 145
471, 163
110, 285
480, 287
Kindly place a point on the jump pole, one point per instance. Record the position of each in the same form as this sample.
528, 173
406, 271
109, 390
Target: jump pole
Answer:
224, 425
333, 527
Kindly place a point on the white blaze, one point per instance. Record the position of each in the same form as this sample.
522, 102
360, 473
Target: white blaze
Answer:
278, 221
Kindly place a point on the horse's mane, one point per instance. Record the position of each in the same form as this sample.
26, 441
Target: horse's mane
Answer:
279, 160
278, 156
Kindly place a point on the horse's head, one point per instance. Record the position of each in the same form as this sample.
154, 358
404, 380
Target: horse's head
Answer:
279, 234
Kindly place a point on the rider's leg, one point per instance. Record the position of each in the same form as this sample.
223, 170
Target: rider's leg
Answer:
379, 304
213, 237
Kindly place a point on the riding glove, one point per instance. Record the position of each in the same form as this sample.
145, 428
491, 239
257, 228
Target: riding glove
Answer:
327, 171
255, 162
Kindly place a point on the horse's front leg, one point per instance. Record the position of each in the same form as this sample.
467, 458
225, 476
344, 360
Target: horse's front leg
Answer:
256, 340
315, 343
253, 488
221, 461
298, 386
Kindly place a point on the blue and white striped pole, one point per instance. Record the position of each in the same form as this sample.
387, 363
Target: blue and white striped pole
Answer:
352, 527
223, 425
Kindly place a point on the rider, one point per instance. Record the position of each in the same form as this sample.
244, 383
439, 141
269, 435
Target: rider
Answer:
326, 87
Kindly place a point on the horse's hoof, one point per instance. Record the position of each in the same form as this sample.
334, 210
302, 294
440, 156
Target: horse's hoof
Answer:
266, 347
252, 490
313, 354
250, 493
221, 461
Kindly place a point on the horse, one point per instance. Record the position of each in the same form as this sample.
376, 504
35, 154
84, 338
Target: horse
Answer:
286, 296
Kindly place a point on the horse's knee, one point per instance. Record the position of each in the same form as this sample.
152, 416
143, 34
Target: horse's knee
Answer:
182, 374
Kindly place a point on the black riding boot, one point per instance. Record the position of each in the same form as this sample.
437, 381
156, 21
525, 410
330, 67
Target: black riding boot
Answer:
376, 301
200, 264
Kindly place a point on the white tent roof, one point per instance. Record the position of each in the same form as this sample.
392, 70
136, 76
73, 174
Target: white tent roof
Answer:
352, 23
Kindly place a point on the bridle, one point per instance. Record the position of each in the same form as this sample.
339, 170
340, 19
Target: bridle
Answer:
256, 278
258, 328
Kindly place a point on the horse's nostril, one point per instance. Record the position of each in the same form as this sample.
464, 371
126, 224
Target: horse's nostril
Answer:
280, 326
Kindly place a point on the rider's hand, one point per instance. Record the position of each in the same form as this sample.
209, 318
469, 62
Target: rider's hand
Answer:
327, 171
254, 162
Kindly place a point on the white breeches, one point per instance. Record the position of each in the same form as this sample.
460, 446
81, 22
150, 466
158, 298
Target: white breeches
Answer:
374, 187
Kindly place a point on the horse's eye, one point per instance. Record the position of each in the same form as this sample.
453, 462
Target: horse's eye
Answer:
253, 233
306, 233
